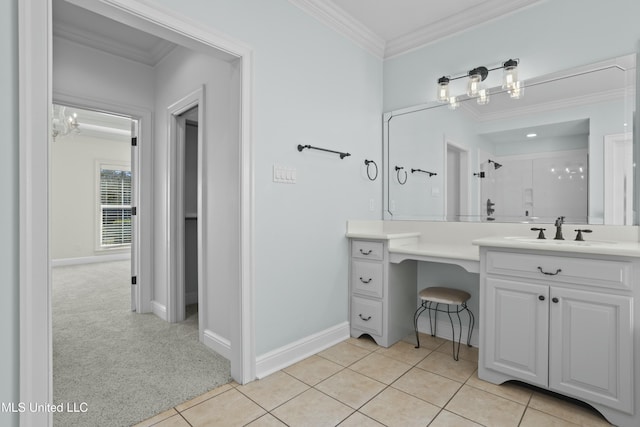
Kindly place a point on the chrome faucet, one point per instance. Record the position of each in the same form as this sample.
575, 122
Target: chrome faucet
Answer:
558, 224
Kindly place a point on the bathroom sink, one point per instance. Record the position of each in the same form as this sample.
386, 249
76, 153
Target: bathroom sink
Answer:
533, 240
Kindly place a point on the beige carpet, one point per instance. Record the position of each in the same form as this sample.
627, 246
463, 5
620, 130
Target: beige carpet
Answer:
125, 367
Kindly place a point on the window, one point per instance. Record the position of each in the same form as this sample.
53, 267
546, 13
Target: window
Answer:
115, 206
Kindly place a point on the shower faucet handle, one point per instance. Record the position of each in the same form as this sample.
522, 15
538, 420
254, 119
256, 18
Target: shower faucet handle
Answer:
541, 232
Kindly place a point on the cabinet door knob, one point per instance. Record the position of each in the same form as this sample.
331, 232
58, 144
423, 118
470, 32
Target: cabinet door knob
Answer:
363, 318
365, 253
541, 297
555, 300
366, 281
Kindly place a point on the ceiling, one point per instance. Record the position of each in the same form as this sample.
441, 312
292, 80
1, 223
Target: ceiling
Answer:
384, 27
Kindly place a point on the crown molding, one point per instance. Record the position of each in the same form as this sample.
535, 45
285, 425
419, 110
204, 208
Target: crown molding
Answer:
454, 24
337, 19
87, 38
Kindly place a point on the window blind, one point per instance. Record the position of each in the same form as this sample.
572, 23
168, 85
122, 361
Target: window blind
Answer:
115, 207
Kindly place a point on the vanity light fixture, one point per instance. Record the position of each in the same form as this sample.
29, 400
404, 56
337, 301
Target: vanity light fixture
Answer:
475, 86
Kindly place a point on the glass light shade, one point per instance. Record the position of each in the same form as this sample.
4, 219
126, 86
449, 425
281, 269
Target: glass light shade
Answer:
442, 94
483, 96
453, 103
473, 86
517, 90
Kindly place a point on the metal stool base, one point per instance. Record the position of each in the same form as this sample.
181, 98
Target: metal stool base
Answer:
428, 305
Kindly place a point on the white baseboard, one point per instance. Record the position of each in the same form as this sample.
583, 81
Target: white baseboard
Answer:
288, 355
91, 259
443, 329
159, 310
219, 344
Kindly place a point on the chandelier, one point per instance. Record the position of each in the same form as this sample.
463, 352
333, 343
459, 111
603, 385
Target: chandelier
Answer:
63, 124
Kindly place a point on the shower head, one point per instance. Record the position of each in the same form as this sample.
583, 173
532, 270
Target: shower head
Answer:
496, 165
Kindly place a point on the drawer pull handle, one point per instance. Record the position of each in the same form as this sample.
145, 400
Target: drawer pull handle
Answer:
366, 281
366, 253
547, 273
555, 300
541, 297
365, 319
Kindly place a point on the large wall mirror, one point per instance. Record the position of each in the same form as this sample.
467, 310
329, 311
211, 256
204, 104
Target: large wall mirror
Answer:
565, 148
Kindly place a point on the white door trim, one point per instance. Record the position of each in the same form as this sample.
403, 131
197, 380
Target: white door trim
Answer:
35, 96
142, 199
175, 205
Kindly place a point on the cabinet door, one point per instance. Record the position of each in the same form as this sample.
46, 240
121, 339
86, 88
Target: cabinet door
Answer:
516, 331
591, 353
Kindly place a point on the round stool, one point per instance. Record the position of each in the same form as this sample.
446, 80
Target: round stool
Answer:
456, 302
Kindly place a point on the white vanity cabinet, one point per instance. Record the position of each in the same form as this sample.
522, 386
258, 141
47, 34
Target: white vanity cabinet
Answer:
562, 321
380, 305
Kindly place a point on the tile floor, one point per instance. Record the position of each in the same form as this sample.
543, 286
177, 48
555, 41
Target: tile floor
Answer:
357, 383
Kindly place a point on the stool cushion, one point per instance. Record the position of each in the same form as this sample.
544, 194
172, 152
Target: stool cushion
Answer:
444, 295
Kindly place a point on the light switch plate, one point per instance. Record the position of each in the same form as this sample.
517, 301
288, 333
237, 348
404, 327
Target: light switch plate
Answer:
284, 175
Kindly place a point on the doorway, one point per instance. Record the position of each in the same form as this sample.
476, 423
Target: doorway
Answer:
457, 182
36, 96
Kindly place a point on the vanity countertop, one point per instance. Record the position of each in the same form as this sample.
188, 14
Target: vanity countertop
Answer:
381, 235
599, 247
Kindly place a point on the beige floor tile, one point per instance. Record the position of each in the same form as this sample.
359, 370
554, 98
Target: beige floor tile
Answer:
426, 341
364, 342
449, 419
395, 408
174, 421
313, 369
534, 418
351, 388
427, 386
466, 352
312, 408
508, 390
485, 408
359, 420
566, 410
206, 396
228, 409
267, 420
157, 418
405, 352
443, 364
274, 390
344, 353
381, 368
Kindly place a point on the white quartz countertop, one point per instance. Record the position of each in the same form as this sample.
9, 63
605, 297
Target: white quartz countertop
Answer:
599, 247
380, 235
439, 250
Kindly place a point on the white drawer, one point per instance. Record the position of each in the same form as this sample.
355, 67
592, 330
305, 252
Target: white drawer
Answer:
366, 249
582, 271
366, 315
367, 278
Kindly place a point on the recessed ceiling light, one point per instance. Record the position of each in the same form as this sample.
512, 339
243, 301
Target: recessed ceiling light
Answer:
532, 135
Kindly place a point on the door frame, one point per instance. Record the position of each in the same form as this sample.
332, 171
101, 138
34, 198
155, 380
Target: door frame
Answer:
35, 97
141, 167
175, 207
464, 198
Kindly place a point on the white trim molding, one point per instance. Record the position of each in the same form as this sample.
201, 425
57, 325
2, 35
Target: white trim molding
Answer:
340, 21
282, 357
34, 33
62, 262
217, 343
